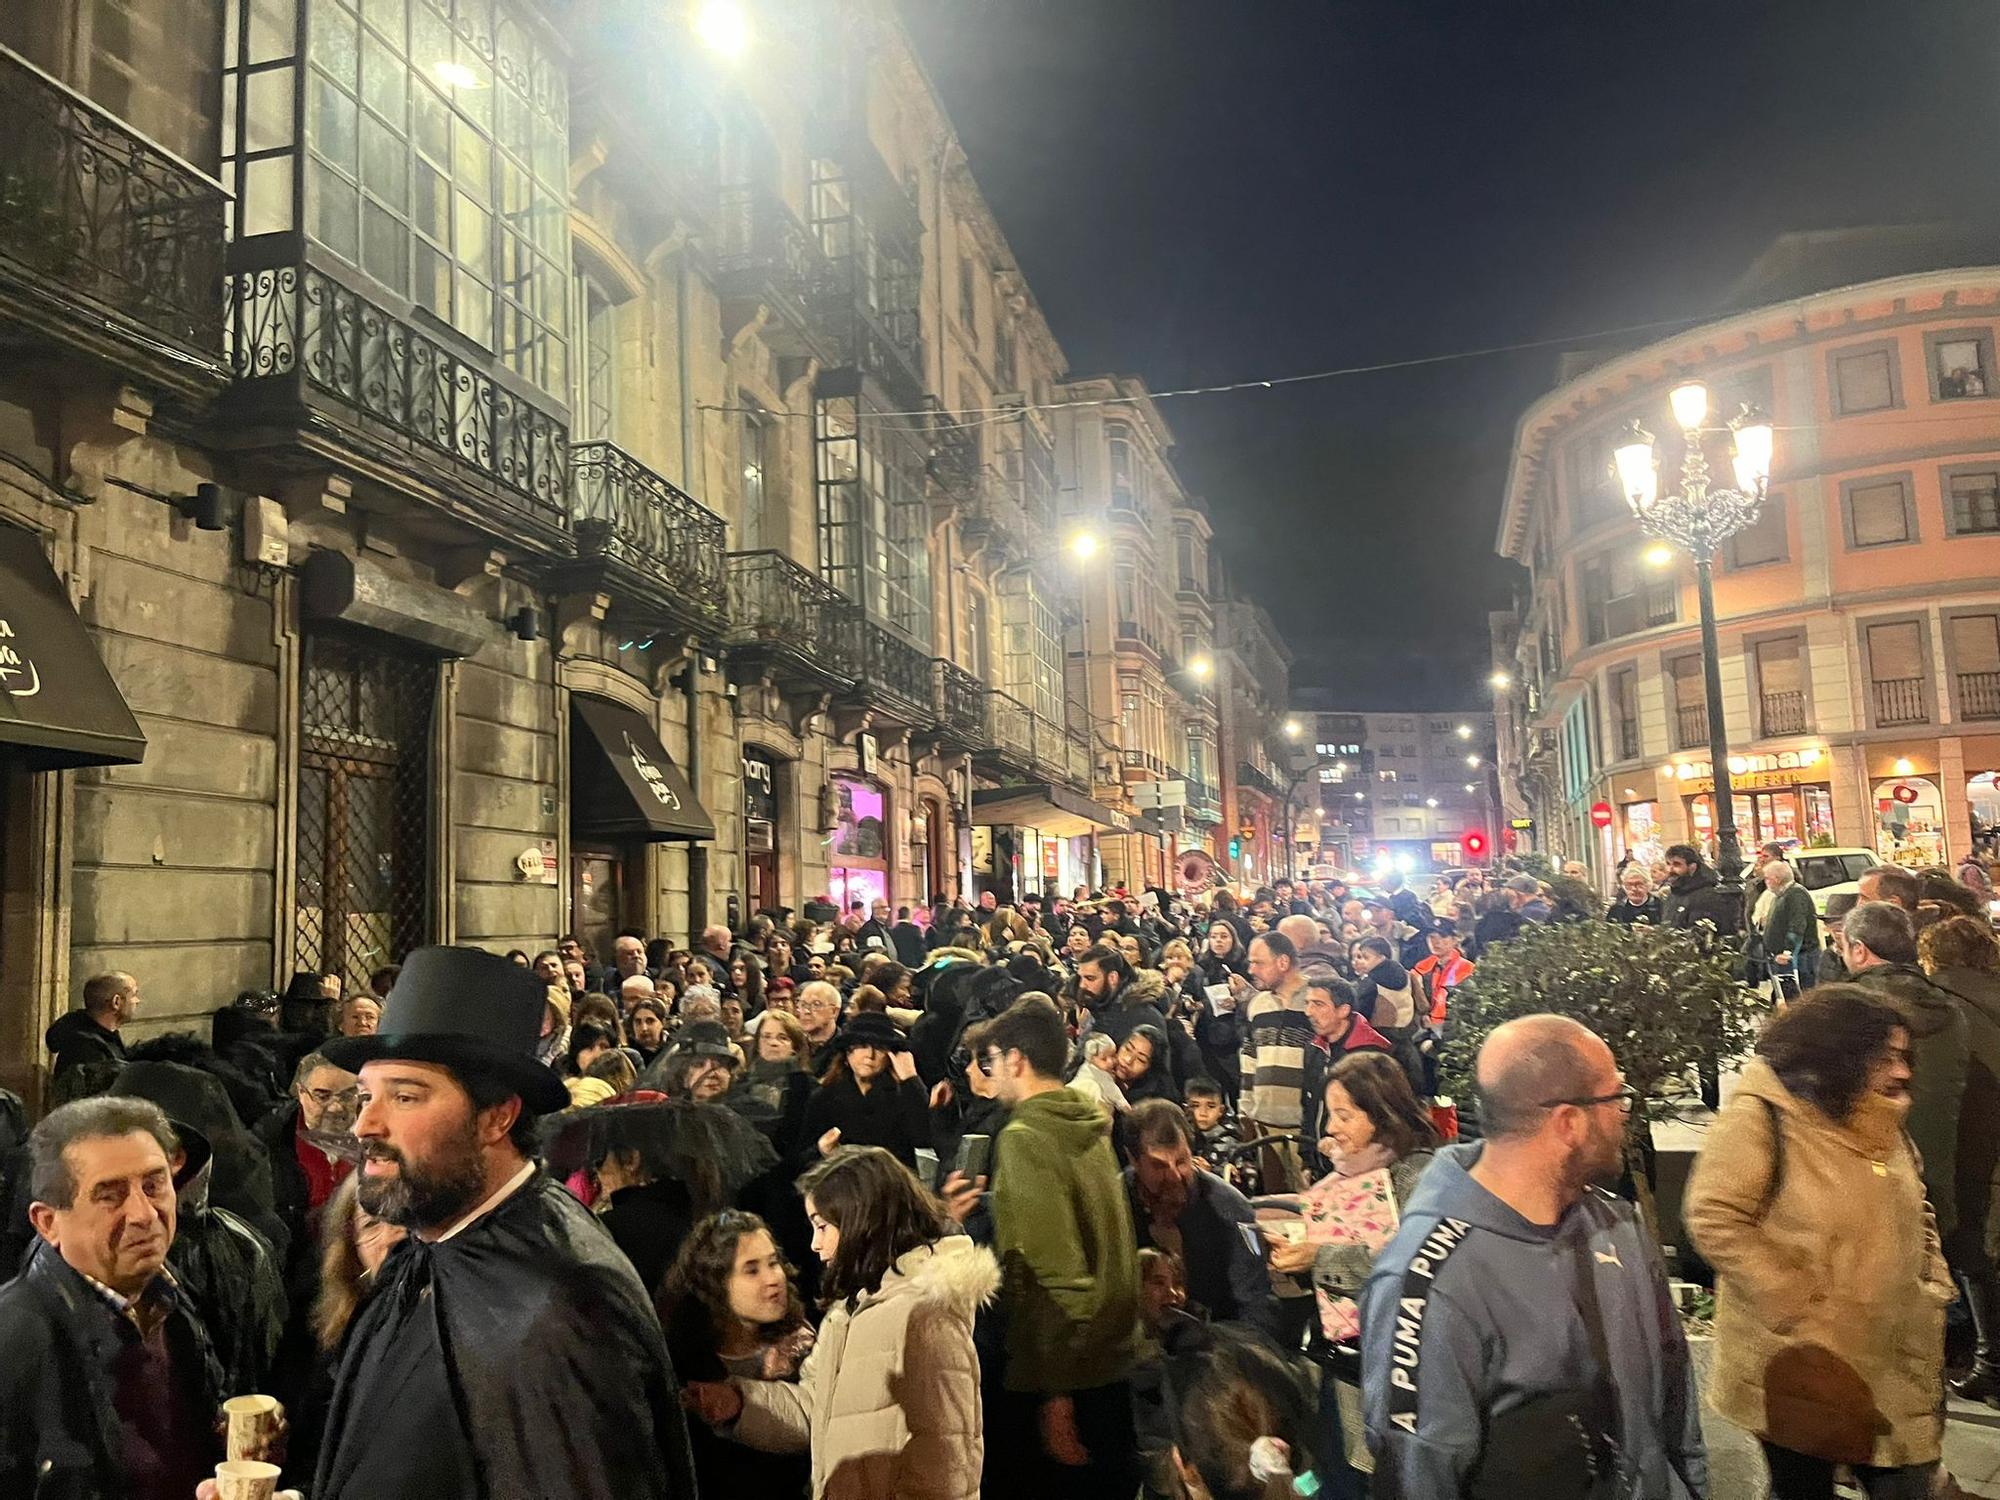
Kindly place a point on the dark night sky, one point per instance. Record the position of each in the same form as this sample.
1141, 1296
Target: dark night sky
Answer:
1202, 191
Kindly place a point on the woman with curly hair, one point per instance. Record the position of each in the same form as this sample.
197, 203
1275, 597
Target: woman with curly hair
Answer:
731, 1310
888, 1400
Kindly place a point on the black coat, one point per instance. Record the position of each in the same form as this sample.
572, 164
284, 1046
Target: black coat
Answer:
895, 1116
649, 1223
554, 1376
1645, 914
60, 1338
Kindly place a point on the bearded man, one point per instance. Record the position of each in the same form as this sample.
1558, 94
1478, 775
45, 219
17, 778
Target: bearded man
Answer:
511, 1350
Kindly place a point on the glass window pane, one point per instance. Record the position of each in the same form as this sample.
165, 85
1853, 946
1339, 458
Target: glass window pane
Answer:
333, 123
472, 86
382, 79
335, 47
386, 16
273, 29
269, 126
472, 308
472, 164
433, 204
335, 211
384, 245
432, 128
384, 166
267, 192
430, 40
471, 242
431, 287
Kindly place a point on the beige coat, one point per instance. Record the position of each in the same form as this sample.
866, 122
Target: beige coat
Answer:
888, 1400
1829, 1324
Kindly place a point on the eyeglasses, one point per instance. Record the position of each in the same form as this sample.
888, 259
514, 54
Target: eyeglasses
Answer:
1625, 1098
324, 1097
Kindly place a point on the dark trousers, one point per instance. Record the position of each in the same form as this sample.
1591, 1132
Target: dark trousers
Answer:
1104, 1425
1798, 1476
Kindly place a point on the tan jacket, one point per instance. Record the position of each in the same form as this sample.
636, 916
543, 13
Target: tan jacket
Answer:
1829, 1325
888, 1400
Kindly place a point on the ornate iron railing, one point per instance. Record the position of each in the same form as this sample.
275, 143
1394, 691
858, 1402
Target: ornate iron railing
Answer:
888, 664
1691, 726
1784, 713
1979, 695
1010, 726
760, 242
954, 456
776, 604
623, 511
1900, 700
958, 699
1076, 757
93, 212
1257, 779
296, 322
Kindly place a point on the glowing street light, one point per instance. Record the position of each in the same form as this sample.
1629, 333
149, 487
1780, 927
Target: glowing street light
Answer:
1465, 731
1659, 555
1083, 546
1200, 666
1293, 729
1500, 682
723, 27
1473, 761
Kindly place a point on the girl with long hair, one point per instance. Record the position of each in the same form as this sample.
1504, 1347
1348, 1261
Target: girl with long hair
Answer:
888, 1400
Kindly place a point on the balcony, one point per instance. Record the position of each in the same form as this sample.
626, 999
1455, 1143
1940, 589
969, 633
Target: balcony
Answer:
1132, 634
880, 339
1076, 759
348, 377
953, 465
1628, 739
1782, 713
892, 677
958, 704
109, 246
991, 520
1257, 779
1021, 742
1147, 767
1899, 700
1203, 805
1979, 695
787, 621
1691, 726
1658, 603
655, 550
766, 258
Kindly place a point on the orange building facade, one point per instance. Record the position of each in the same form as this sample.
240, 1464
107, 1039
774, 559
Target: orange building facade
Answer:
1859, 618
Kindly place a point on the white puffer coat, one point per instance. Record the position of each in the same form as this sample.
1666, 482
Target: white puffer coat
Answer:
888, 1400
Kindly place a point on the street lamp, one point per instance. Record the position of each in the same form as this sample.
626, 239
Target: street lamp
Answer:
1293, 729
1083, 545
723, 27
1698, 519
1200, 667
1465, 731
1500, 682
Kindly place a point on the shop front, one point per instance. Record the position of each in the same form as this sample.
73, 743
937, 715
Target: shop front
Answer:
1037, 836
760, 832
860, 842
1778, 799
1909, 821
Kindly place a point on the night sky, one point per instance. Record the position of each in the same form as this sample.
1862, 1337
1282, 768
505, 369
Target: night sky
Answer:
1202, 191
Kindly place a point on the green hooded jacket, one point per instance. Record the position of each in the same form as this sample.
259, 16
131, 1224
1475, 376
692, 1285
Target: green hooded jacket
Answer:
1069, 1260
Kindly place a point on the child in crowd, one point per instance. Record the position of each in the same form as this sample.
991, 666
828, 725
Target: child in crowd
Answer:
1208, 1112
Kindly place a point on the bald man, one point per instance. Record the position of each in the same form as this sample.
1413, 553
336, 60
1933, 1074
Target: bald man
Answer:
1310, 941
1519, 1324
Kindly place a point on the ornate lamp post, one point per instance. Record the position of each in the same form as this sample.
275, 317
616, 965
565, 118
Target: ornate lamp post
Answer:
1699, 519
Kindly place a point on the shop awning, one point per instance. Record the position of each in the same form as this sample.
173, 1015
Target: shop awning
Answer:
1054, 810
622, 783
58, 705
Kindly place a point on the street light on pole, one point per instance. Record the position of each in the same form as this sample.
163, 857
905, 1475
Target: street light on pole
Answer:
1698, 519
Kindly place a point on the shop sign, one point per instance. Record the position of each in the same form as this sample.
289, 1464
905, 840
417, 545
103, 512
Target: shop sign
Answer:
1754, 781
760, 796
1521, 825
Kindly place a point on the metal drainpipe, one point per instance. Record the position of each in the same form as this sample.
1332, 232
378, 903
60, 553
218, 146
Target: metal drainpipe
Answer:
697, 859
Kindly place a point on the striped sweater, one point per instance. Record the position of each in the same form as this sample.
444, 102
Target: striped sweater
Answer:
1276, 1035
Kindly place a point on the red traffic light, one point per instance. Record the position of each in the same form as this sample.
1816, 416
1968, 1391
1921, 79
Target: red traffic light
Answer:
1474, 844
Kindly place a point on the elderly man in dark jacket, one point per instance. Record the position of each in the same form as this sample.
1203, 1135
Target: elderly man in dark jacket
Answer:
108, 1388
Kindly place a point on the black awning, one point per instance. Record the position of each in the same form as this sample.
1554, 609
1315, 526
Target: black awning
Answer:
1047, 806
622, 783
58, 705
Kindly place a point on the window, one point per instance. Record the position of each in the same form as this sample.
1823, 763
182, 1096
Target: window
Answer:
977, 642
1690, 702
1620, 597
1764, 540
1781, 685
1624, 703
874, 536
760, 526
596, 363
1972, 501
1878, 511
1184, 557
439, 138
968, 297
1896, 672
1865, 379
1594, 494
1411, 799
1409, 752
1124, 479
1973, 644
150, 65
1386, 776
1004, 373
1960, 363
1032, 659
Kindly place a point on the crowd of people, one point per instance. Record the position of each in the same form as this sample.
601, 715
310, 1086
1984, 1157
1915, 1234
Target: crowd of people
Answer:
1006, 1199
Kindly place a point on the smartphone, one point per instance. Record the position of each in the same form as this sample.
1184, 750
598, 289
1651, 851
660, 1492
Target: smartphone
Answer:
975, 1154
1253, 1239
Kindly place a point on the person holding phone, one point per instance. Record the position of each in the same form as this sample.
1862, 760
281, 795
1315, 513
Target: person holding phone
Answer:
872, 1095
1216, 1029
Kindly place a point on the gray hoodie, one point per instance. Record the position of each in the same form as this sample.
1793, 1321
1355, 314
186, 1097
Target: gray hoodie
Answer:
1472, 1312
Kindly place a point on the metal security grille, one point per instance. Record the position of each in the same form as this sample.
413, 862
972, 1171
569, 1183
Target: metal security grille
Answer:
364, 805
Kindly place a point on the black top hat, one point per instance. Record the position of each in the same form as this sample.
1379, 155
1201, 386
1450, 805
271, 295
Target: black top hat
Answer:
703, 1039
871, 1029
467, 1010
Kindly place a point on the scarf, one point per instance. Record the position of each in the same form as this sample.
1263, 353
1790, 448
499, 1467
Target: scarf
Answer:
1373, 1157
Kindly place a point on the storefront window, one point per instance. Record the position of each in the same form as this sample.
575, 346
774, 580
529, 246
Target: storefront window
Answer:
1793, 816
860, 843
1909, 822
1642, 833
1983, 793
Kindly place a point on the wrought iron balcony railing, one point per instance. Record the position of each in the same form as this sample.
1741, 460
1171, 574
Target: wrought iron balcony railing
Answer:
954, 456
786, 612
626, 515
1691, 726
891, 673
297, 336
1258, 779
958, 701
1010, 727
1783, 713
1076, 758
1979, 695
108, 242
1202, 803
764, 252
1899, 700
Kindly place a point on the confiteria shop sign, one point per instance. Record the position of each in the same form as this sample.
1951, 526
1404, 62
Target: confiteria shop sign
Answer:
1754, 773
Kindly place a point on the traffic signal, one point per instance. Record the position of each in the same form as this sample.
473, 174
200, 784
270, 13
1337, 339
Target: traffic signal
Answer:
1474, 845
1236, 848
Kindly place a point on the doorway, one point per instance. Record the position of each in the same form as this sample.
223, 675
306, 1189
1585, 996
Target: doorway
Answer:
598, 897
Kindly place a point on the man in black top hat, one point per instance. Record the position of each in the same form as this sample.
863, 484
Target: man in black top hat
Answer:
510, 1350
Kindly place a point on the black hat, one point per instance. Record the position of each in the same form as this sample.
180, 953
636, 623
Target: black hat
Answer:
467, 1010
703, 1039
871, 1029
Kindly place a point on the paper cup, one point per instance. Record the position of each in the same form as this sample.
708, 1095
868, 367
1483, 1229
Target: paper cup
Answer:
245, 1478
253, 1423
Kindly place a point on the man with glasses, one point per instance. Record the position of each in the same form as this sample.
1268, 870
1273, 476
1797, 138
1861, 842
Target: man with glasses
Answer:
819, 1017
1519, 1327
311, 1150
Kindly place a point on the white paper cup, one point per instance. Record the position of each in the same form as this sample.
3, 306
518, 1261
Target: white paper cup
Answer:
245, 1478
253, 1422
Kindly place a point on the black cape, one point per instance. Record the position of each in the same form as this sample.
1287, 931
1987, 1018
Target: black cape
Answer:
555, 1376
